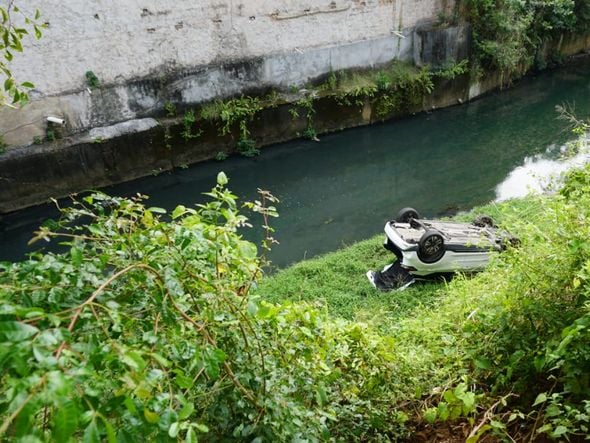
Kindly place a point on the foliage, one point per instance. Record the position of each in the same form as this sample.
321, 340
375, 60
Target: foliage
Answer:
188, 121
306, 105
450, 70
509, 34
37, 140
247, 147
15, 25
455, 403
50, 135
238, 111
407, 90
145, 330
220, 156
331, 82
91, 79
517, 331
400, 87
444, 19
170, 109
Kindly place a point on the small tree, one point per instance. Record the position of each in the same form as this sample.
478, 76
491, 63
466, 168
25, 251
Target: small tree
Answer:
15, 25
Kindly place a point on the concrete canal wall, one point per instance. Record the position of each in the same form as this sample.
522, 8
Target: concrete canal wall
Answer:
149, 52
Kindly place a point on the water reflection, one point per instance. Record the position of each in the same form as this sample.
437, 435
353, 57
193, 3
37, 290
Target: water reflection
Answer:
542, 173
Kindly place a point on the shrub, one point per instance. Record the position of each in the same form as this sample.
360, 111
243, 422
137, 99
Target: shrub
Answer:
145, 330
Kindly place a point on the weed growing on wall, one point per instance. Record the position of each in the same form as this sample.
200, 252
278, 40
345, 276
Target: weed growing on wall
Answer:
221, 156
306, 105
188, 122
397, 88
50, 135
3, 144
240, 111
91, 79
451, 70
170, 109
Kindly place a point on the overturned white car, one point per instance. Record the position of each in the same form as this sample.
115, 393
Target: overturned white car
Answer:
431, 248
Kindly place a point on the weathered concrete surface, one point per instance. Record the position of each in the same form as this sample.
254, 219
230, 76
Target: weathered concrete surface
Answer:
437, 46
29, 176
148, 52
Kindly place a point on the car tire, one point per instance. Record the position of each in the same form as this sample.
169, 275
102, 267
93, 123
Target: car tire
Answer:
431, 247
510, 241
406, 214
484, 221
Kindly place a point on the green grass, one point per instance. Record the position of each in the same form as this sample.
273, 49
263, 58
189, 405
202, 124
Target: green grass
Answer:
503, 331
337, 280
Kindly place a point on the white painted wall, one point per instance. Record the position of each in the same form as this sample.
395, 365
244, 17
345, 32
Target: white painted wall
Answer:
182, 41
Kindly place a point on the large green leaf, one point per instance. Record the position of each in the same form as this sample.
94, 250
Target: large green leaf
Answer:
16, 331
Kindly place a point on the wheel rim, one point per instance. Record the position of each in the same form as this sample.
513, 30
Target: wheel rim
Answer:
433, 245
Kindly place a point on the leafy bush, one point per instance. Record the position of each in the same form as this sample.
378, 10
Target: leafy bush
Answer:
145, 330
508, 35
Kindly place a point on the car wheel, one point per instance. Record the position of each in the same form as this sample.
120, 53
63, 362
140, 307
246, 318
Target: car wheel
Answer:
510, 241
431, 247
406, 214
483, 221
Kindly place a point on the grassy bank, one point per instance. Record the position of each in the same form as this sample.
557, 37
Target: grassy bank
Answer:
337, 280
501, 353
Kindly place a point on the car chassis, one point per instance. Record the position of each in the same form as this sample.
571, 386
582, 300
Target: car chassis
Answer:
427, 249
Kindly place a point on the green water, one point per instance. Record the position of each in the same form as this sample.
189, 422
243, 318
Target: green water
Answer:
343, 188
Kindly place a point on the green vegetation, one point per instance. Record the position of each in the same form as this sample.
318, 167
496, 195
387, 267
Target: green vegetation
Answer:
3, 144
504, 351
451, 70
509, 35
15, 25
170, 109
50, 135
306, 105
220, 156
399, 87
188, 121
91, 80
240, 111
147, 329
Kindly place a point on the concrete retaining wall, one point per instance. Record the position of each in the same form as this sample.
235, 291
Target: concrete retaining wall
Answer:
148, 52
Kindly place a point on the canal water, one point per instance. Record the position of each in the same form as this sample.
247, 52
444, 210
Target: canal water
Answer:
342, 189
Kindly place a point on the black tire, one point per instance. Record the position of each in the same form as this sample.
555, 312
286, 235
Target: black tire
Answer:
510, 241
406, 214
431, 247
483, 221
